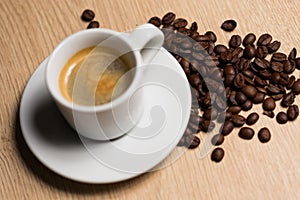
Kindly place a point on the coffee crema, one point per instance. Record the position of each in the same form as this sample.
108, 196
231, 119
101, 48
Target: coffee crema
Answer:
94, 76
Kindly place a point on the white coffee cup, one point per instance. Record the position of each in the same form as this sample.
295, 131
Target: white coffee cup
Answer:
113, 119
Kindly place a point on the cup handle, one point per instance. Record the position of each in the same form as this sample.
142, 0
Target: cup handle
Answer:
148, 40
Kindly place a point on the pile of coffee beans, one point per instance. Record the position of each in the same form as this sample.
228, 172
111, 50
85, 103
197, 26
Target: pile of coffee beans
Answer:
248, 78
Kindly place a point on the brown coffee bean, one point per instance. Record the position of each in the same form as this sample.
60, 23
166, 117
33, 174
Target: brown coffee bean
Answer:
297, 62
192, 141
249, 52
296, 87
260, 82
292, 112
211, 35
220, 49
207, 125
194, 27
235, 41
217, 155
289, 66
249, 39
275, 77
239, 81
246, 133
269, 114
168, 18
277, 66
293, 54
273, 89
259, 64
248, 74
156, 21
273, 47
247, 105
277, 97
264, 135
281, 118
238, 120
234, 109
279, 57
195, 80
264, 39
217, 139
227, 128
240, 98
249, 91
252, 118
262, 90
259, 98
210, 114
288, 99
229, 25
261, 52
269, 104
291, 82
180, 23
87, 15
93, 24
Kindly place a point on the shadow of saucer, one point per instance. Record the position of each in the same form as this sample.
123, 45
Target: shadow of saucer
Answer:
50, 132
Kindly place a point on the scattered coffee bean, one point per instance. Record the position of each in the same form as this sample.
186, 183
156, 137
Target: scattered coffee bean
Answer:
235, 41
93, 24
296, 87
192, 141
156, 21
234, 109
168, 18
246, 133
217, 139
88, 15
259, 98
264, 135
269, 114
269, 104
288, 99
249, 39
211, 35
238, 120
229, 25
273, 47
292, 112
252, 118
281, 118
264, 39
249, 51
250, 91
227, 128
247, 105
217, 154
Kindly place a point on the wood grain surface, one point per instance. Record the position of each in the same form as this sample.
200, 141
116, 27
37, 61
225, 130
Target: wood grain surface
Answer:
30, 30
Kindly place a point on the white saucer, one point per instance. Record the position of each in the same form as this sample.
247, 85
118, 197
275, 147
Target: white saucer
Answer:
60, 148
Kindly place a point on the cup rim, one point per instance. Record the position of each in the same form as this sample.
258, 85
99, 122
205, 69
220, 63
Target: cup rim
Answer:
58, 97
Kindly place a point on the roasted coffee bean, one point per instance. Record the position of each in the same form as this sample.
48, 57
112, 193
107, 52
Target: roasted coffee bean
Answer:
259, 98
252, 118
248, 74
93, 24
292, 112
269, 104
249, 91
261, 52
296, 87
264, 135
289, 66
277, 97
156, 21
249, 51
247, 105
238, 120
273, 89
264, 39
297, 63
235, 41
239, 81
291, 82
277, 66
261, 82
281, 118
180, 23
232, 99
249, 39
275, 77
234, 109
195, 80
194, 27
192, 141
273, 47
279, 57
265, 74
288, 99
88, 15
262, 90
227, 128
168, 18
229, 25
217, 139
217, 155
220, 49
210, 114
269, 113
207, 126
212, 36
293, 54
240, 98
259, 64
246, 133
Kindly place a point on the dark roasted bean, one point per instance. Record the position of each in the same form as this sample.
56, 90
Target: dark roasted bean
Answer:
252, 118
249, 51
269, 104
192, 141
93, 24
260, 82
238, 120
269, 113
239, 81
234, 109
293, 54
273, 47
264, 39
277, 66
229, 25
211, 35
247, 105
168, 18
279, 57
235, 41
259, 64
292, 112
281, 118
288, 99
296, 87
87, 15
156, 21
289, 66
259, 98
217, 155
249, 91
261, 52
217, 139
180, 23
194, 27
277, 97
227, 128
264, 135
249, 39
297, 63
246, 133
220, 49
291, 82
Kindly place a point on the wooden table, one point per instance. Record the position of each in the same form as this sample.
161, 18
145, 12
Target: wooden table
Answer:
250, 170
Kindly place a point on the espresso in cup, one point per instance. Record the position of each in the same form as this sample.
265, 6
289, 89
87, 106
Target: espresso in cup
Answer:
94, 76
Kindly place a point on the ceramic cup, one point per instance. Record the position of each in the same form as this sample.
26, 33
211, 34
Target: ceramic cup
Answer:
113, 119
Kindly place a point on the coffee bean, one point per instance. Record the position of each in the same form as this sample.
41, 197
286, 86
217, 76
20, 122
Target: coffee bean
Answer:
269, 104
207, 125
156, 21
261, 52
192, 141
297, 62
234, 109
246, 133
235, 41
194, 27
249, 91
238, 120
292, 112
264, 135
229, 25
240, 98
273, 47
220, 49
249, 39
210, 114
247, 105
259, 98
239, 81
259, 64
180, 23
264, 39
261, 90
277, 97
227, 128
273, 89
281, 118
269, 114
296, 87
217, 154
249, 51
217, 139
88, 15
291, 82
279, 57
252, 118
277, 66
289, 66
224, 116
260, 82
93, 24
168, 18
288, 99
211, 35
248, 74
